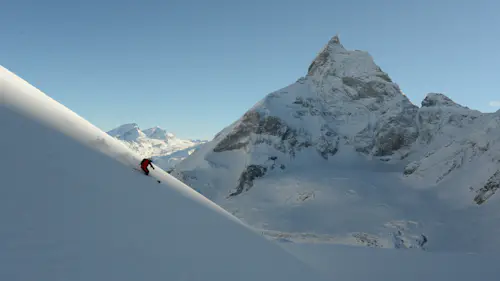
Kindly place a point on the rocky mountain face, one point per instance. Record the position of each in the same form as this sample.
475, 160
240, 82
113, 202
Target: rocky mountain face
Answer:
345, 101
345, 98
347, 115
163, 147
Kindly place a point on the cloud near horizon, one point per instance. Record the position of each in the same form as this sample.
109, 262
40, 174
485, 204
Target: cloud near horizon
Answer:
495, 103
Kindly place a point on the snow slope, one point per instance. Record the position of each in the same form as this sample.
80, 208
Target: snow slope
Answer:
356, 263
72, 208
458, 150
342, 156
163, 147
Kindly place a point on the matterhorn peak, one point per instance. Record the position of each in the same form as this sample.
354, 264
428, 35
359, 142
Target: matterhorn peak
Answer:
335, 40
333, 45
334, 62
327, 52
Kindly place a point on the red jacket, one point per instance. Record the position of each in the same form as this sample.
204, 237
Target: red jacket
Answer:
145, 163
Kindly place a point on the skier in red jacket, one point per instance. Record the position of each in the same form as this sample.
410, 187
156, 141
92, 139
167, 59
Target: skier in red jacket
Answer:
144, 165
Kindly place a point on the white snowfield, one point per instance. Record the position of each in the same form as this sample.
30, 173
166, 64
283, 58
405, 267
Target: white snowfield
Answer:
72, 208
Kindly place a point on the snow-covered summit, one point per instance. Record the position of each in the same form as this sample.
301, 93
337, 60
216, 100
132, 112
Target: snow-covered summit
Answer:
345, 109
458, 150
158, 133
132, 132
438, 99
337, 142
442, 118
335, 60
344, 102
127, 132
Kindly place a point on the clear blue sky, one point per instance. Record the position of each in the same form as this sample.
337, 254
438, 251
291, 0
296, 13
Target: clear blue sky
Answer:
193, 67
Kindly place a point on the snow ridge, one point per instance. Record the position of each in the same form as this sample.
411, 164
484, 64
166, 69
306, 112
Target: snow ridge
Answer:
438, 99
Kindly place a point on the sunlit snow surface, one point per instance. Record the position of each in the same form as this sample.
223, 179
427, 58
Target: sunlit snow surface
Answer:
73, 208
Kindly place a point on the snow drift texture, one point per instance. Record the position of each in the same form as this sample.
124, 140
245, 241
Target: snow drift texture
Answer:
343, 156
72, 208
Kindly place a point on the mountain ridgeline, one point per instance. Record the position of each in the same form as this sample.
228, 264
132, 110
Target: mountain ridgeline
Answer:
348, 113
164, 147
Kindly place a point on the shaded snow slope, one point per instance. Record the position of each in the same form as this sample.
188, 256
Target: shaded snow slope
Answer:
342, 156
384, 264
164, 147
458, 150
72, 208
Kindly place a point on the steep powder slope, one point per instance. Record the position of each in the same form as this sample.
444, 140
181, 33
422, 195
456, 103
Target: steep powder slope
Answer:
458, 151
72, 208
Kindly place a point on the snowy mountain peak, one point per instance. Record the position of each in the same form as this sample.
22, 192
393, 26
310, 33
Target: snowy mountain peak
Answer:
326, 53
333, 44
315, 147
126, 128
346, 100
127, 132
164, 147
334, 62
346, 108
335, 40
132, 132
438, 99
158, 133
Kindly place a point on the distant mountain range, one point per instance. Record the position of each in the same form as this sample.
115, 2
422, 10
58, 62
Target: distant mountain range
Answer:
163, 147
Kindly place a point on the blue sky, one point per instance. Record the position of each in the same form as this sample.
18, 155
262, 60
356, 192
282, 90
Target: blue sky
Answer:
193, 67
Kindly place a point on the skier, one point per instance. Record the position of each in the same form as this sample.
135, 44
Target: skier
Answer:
144, 165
